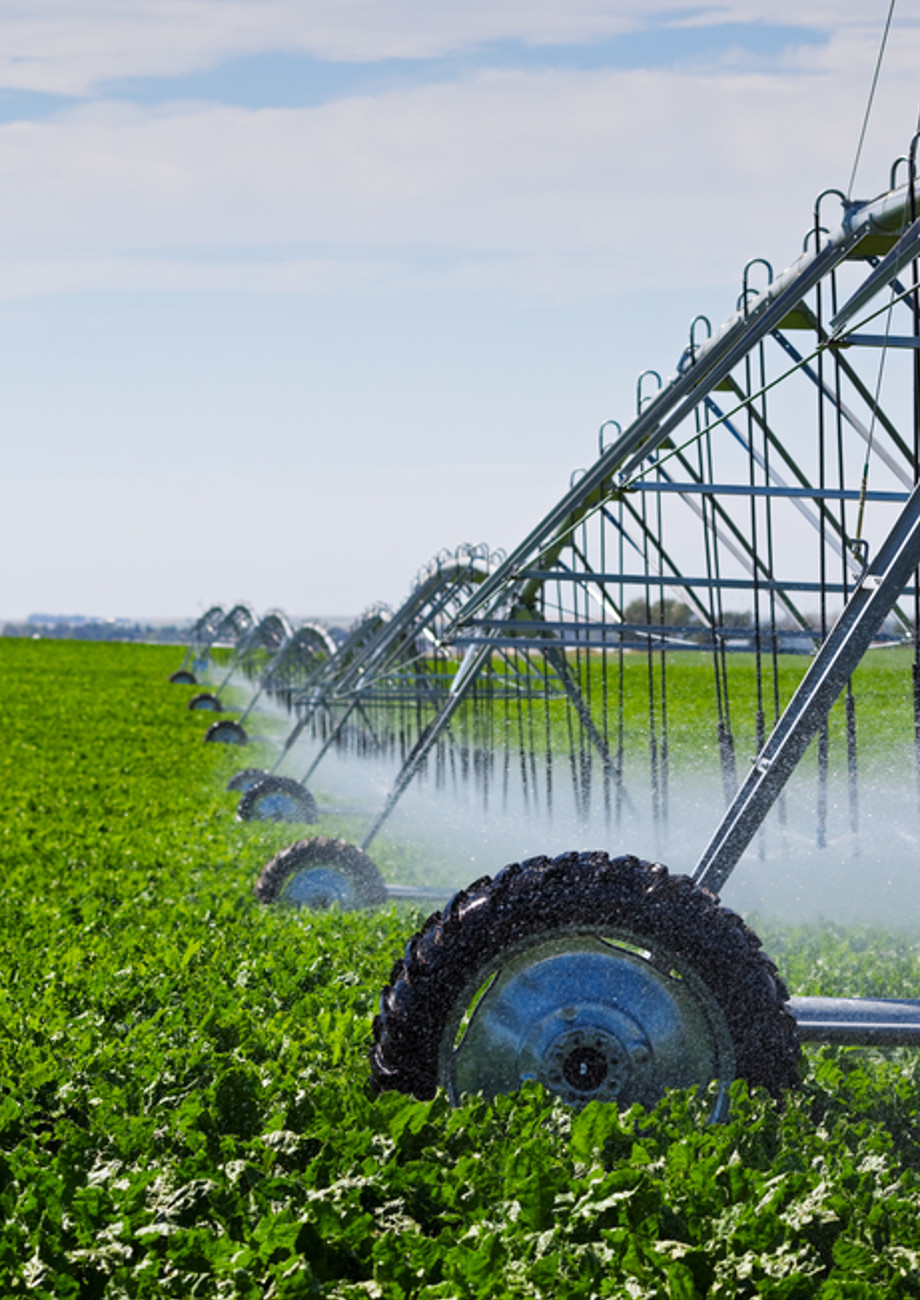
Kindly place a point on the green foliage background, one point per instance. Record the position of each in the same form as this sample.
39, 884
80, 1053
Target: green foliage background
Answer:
183, 1085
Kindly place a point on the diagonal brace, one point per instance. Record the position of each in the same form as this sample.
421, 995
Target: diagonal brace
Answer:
847, 642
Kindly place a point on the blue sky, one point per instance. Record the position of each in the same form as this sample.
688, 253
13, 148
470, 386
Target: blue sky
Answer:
294, 294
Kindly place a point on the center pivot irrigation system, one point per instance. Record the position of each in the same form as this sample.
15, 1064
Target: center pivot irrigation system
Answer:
764, 500
374, 694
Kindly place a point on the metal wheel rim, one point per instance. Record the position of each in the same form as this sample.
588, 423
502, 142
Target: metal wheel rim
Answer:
228, 733
593, 1016
275, 806
319, 888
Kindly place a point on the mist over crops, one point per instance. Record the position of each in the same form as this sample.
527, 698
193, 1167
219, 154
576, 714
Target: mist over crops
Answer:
861, 868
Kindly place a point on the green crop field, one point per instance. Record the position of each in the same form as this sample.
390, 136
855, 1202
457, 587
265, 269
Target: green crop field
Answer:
185, 1107
687, 695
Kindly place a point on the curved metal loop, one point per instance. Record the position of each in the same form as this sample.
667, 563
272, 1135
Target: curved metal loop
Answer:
815, 231
817, 227
601, 445
575, 475
688, 356
640, 400
708, 323
912, 174
746, 289
430, 568
893, 174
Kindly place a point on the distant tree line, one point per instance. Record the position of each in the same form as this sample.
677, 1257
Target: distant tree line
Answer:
78, 628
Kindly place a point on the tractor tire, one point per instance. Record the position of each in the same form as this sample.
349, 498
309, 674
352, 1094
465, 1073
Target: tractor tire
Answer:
226, 732
246, 778
605, 978
205, 702
277, 799
321, 873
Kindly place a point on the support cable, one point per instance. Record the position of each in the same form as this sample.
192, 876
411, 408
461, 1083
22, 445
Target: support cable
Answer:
869, 102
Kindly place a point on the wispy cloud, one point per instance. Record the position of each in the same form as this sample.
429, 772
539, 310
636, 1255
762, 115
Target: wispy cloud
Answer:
57, 47
279, 144
664, 175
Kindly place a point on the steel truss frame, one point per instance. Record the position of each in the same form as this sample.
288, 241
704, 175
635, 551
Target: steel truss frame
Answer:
395, 670
709, 441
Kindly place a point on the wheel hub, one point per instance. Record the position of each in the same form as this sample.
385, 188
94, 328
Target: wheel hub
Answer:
586, 1064
275, 807
319, 888
587, 1051
592, 1020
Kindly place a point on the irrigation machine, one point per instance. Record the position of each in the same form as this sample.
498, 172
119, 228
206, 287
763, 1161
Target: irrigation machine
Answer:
373, 696
759, 515
214, 628
203, 632
299, 687
280, 660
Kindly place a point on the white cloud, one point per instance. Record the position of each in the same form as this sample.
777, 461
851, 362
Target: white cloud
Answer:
639, 177
62, 47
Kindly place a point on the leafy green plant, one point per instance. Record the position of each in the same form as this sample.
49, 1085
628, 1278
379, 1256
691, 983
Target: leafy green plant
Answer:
184, 1107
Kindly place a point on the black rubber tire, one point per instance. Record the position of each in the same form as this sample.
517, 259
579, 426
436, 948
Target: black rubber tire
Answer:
205, 701
226, 732
581, 890
246, 778
277, 799
356, 881
182, 677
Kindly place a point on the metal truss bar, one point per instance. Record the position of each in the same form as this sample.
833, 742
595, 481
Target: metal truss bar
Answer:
463, 683
851, 418
871, 602
664, 559
561, 668
858, 1022
586, 632
364, 634
329, 741
295, 733
654, 580
904, 251
743, 490
879, 341
813, 519
477, 654
409, 621
852, 375
743, 552
417, 894
376, 655
604, 601
641, 642
766, 315
678, 398
251, 705
656, 542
